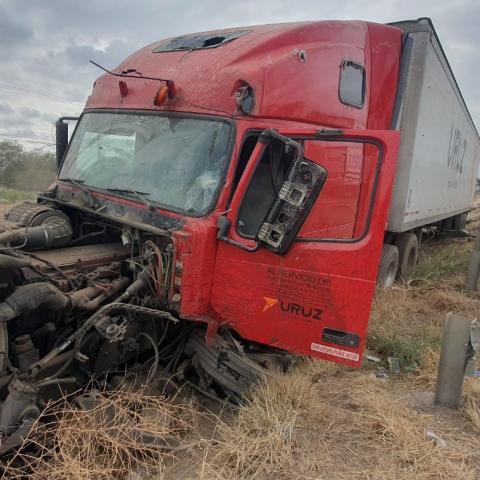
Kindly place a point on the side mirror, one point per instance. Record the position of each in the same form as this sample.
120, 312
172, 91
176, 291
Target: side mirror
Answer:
61, 138
288, 211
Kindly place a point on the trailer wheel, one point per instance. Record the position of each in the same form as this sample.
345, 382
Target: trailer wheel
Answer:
407, 244
446, 225
387, 271
460, 222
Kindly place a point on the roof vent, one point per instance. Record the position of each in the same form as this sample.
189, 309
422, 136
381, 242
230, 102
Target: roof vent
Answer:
200, 41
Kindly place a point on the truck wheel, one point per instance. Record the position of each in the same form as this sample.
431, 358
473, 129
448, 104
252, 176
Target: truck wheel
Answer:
407, 244
387, 271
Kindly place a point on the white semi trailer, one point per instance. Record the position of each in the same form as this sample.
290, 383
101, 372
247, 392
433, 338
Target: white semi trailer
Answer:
439, 151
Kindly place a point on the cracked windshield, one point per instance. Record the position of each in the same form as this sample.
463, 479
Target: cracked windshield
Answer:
174, 161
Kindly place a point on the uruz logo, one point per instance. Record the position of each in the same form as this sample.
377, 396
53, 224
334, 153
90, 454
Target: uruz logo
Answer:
295, 308
456, 150
298, 309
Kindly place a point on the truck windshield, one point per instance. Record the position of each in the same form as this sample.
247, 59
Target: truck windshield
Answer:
178, 162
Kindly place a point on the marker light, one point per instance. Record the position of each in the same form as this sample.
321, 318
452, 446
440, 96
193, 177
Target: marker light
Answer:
167, 90
161, 96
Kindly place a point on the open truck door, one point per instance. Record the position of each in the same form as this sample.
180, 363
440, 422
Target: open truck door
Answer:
295, 269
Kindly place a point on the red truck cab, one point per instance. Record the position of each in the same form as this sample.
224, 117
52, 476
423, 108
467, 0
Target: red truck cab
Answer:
266, 154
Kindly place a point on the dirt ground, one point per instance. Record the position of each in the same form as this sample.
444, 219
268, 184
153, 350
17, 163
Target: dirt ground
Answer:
321, 420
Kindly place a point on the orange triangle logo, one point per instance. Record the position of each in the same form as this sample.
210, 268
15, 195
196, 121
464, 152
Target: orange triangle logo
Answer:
269, 303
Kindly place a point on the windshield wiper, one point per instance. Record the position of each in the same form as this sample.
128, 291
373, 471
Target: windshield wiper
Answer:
78, 182
142, 196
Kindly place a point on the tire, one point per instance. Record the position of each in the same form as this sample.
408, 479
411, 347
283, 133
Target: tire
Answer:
446, 225
387, 271
460, 222
407, 244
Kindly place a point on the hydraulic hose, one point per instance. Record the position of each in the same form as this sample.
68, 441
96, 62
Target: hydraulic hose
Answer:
7, 262
54, 234
27, 298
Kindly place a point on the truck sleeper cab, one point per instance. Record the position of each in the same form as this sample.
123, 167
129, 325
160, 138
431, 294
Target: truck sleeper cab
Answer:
274, 149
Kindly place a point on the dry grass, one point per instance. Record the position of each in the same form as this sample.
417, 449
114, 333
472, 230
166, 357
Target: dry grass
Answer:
114, 434
407, 320
311, 424
263, 436
471, 406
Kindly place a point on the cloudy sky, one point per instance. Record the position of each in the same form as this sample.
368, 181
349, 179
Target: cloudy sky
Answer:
45, 45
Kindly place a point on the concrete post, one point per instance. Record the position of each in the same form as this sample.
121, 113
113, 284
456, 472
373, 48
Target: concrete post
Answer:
453, 358
474, 266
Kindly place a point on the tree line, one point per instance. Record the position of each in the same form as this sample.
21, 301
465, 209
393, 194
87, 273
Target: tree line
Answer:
25, 170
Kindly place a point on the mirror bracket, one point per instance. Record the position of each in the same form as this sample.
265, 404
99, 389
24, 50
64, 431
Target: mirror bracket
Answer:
223, 225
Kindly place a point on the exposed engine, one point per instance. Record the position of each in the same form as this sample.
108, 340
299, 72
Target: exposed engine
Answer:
80, 300
85, 300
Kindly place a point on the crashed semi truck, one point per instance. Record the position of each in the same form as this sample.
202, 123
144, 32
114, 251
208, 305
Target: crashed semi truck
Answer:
227, 197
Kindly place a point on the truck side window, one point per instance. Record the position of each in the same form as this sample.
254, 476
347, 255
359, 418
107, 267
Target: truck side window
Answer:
266, 182
352, 84
341, 211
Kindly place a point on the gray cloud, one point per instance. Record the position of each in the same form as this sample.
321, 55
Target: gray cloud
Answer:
11, 30
45, 46
5, 108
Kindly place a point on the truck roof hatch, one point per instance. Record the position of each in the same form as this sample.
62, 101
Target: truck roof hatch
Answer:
199, 41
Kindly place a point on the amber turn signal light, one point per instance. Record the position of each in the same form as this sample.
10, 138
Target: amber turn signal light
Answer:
166, 90
161, 96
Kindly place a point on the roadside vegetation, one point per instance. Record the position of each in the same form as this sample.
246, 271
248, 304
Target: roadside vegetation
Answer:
23, 172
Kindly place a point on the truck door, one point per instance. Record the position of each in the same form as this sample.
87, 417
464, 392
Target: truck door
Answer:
299, 248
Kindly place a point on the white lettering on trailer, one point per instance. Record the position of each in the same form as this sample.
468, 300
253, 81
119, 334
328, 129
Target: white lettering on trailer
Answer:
336, 352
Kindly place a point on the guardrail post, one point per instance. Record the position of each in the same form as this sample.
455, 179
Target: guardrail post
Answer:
457, 353
474, 267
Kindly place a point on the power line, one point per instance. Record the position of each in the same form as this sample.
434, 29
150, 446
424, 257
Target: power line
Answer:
22, 91
26, 131
16, 138
17, 134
